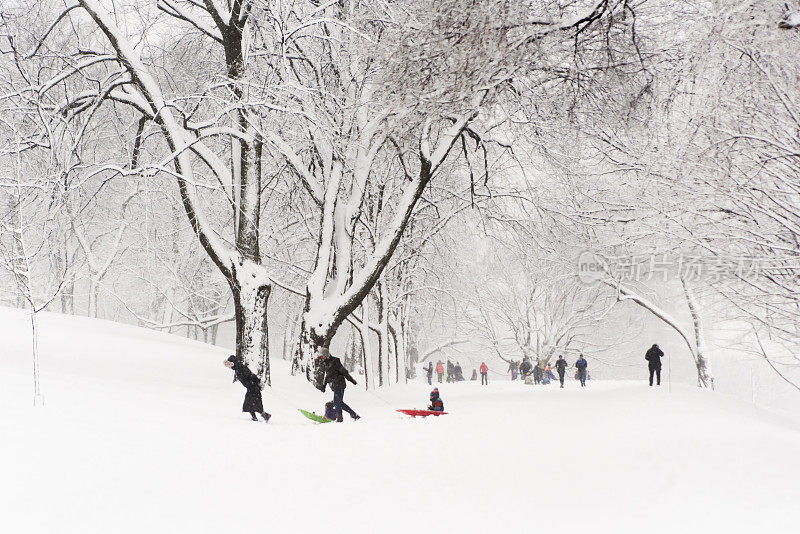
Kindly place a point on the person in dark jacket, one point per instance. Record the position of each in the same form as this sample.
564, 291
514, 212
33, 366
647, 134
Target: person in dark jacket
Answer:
581, 366
429, 372
253, 403
437, 404
459, 372
537, 373
451, 372
561, 369
513, 369
335, 375
525, 367
653, 357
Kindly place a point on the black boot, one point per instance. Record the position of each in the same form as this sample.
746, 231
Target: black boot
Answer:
356, 417
266, 417
253, 416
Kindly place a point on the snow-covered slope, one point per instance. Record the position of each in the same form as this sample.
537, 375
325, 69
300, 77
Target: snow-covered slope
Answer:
141, 432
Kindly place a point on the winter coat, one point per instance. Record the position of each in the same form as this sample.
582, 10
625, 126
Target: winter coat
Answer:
336, 374
525, 367
581, 364
653, 355
429, 369
483, 368
439, 368
252, 399
437, 404
561, 366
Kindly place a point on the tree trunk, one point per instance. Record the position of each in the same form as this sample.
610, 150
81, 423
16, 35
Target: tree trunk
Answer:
214, 332
92, 310
252, 335
365, 356
38, 399
702, 359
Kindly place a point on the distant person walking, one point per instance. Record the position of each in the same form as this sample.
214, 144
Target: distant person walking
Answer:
653, 357
253, 403
581, 366
513, 369
439, 371
561, 369
429, 372
484, 374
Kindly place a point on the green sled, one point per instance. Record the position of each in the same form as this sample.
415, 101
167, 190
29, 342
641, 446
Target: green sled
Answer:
315, 417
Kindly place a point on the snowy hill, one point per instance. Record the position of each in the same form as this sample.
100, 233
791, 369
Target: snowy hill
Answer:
141, 432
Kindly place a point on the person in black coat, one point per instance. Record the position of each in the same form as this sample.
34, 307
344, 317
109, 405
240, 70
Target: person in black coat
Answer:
561, 369
525, 367
653, 357
253, 403
336, 375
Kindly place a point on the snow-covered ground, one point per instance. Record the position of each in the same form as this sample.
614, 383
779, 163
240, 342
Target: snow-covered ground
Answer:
141, 432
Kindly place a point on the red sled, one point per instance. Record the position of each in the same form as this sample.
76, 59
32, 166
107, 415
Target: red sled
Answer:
421, 413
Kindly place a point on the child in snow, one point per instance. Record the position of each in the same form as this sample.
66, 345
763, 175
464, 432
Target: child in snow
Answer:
253, 403
330, 411
549, 372
437, 404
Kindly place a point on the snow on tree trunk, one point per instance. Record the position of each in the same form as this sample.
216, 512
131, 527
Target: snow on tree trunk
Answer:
251, 298
702, 358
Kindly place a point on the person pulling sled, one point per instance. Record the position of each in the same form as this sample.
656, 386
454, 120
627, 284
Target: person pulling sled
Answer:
335, 375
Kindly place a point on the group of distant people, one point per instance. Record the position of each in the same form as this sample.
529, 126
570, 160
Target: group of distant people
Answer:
454, 373
542, 373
